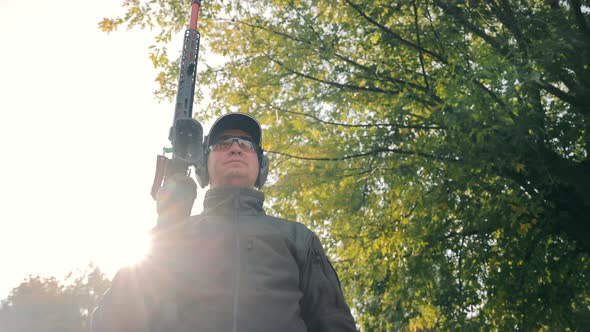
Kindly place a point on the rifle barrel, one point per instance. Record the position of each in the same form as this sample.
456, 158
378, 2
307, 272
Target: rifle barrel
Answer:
195, 5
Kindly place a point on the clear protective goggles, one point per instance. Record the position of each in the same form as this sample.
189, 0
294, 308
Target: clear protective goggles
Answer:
224, 143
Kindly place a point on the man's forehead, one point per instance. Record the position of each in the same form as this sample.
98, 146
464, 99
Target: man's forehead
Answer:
235, 133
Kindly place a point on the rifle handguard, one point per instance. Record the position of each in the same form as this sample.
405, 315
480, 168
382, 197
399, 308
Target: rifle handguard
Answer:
187, 138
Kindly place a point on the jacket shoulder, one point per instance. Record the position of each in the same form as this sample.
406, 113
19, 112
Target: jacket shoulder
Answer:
293, 229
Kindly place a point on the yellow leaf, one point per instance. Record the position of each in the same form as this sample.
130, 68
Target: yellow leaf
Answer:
525, 227
375, 38
107, 25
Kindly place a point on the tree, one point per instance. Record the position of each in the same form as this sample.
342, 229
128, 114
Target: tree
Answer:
44, 304
440, 147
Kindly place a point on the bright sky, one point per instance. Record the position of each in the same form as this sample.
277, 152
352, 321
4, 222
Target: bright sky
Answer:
79, 132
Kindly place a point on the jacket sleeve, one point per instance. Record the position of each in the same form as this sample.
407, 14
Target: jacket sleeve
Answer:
123, 307
323, 306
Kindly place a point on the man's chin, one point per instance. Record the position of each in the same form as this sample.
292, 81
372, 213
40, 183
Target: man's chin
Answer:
234, 186
237, 180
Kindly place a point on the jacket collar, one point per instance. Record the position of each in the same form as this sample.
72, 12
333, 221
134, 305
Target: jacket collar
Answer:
232, 200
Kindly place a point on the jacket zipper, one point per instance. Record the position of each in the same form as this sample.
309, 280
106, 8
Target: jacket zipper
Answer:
237, 264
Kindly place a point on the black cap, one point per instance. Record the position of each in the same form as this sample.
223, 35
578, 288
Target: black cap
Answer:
235, 121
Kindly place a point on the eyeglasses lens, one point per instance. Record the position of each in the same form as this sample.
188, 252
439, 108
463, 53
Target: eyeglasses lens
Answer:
226, 144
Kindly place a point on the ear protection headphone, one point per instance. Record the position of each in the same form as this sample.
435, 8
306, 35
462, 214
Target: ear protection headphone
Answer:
202, 173
263, 170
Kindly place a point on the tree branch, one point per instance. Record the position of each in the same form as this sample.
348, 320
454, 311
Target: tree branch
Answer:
359, 155
391, 125
507, 18
460, 18
557, 92
367, 69
420, 54
436, 36
343, 86
395, 35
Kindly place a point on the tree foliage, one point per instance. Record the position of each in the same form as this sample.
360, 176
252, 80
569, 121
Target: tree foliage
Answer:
439, 147
45, 304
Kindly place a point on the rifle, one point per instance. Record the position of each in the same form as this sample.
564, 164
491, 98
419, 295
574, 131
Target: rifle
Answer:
186, 133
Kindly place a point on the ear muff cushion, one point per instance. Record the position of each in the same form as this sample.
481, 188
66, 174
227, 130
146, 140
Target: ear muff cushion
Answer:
263, 172
202, 174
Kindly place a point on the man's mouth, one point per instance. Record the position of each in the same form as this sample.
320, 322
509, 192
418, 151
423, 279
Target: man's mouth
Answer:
234, 161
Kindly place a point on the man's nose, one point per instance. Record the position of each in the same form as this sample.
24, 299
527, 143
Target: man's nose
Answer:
235, 147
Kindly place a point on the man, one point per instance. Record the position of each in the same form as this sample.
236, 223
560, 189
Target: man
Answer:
231, 268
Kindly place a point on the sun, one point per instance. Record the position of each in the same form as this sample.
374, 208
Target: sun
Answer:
135, 249
127, 249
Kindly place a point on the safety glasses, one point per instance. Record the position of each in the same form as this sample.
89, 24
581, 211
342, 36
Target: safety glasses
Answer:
225, 143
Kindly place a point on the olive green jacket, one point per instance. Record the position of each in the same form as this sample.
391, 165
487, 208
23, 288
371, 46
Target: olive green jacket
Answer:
231, 268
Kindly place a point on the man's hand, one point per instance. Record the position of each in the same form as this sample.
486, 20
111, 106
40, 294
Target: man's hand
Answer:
176, 198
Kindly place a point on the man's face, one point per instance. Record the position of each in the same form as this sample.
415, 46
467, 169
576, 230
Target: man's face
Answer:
236, 166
